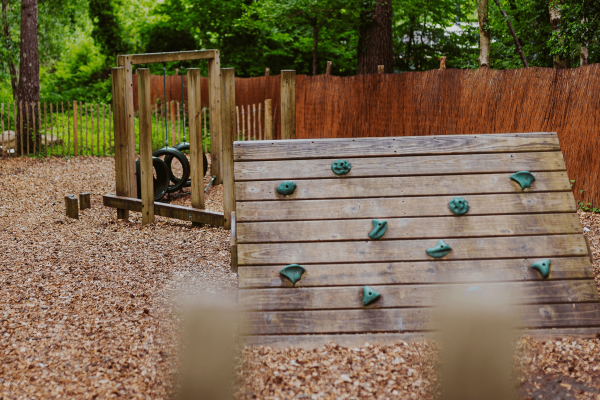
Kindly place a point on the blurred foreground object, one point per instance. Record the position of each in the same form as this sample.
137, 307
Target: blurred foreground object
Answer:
207, 351
476, 336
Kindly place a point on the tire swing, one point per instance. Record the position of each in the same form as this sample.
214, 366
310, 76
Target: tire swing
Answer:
185, 146
170, 153
161, 181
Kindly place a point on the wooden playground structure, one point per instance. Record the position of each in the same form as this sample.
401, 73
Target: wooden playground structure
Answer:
222, 126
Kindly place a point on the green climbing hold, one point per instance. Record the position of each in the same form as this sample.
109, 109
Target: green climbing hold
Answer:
440, 249
341, 167
458, 206
379, 229
524, 178
369, 295
287, 187
543, 266
293, 272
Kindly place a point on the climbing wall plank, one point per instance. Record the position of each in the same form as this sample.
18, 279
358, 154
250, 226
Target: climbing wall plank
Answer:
516, 203
410, 250
409, 228
394, 146
401, 166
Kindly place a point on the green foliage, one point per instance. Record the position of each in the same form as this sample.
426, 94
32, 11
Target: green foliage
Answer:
107, 31
580, 24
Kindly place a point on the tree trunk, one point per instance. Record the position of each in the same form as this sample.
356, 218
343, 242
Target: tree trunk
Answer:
8, 43
485, 36
584, 57
315, 45
555, 24
514, 35
375, 44
29, 73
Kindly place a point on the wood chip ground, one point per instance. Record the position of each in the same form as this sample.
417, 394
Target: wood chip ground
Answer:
89, 307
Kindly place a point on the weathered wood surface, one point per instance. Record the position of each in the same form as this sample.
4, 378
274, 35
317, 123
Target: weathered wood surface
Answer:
309, 342
411, 250
517, 203
71, 206
417, 272
84, 201
395, 146
195, 130
288, 104
169, 57
410, 228
166, 210
457, 185
350, 297
146, 162
120, 137
228, 130
401, 166
404, 319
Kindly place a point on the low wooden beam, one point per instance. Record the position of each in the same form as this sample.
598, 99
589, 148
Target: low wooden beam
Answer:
166, 210
166, 57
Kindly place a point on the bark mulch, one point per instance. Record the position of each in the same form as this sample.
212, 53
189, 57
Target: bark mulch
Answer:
89, 307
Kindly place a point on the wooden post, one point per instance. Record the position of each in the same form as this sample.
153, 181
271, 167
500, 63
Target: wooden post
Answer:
72, 210
237, 123
75, 131
2, 133
121, 142
103, 129
40, 125
33, 125
145, 123
45, 128
243, 124
16, 130
172, 107
62, 110
21, 125
228, 130
27, 136
329, 63
267, 71
443, 62
126, 62
92, 131
97, 128
380, 69
288, 104
178, 124
268, 120
109, 126
249, 124
253, 120
195, 129
260, 134
205, 133
68, 133
214, 96
84, 201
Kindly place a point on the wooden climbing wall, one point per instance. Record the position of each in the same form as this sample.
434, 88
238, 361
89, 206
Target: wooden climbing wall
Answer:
407, 182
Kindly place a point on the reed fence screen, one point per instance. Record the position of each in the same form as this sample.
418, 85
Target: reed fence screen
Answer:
451, 102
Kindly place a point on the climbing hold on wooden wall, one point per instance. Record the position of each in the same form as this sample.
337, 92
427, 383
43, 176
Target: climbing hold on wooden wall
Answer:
524, 178
341, 167
440, 250
369, 295
543, 266
285, 188
293, 272
379, 229
458, 206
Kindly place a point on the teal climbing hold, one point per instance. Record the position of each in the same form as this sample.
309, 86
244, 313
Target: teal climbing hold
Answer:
440, 249
458, 206
543, 266
472, 291
379, 229
287, 187
524, 178
369, 295
341, 167
293, 272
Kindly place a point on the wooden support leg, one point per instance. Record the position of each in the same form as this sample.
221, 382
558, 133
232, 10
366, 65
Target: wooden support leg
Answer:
214, 75
84, 201
146, 168
121, 138
71, 206
227, 135
195, 129
288, 105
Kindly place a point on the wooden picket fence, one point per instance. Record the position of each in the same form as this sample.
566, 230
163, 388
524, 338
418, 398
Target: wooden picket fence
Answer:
78, 128
256, 122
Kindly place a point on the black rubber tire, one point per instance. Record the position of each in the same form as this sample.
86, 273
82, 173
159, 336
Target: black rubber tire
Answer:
185, 146
170, 153
161, 182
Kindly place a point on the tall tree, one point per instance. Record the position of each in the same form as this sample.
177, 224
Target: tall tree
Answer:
375, 40
29, 75
485, 35
8, 44
555, 6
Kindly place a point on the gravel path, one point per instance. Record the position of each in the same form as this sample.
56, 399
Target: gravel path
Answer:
89, 307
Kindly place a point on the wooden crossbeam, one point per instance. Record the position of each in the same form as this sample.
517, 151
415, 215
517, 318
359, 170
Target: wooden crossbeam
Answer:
167, 57
166, 210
